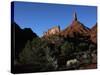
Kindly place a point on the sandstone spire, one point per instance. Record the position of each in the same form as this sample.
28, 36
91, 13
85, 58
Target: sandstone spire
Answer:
74, 19
75, 16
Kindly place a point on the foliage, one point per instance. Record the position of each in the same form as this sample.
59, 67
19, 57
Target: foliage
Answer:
52, 54
67, 48
25, 55
83, 46
37, 53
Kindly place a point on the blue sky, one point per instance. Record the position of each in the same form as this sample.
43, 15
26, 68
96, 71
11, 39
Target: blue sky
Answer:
41, 16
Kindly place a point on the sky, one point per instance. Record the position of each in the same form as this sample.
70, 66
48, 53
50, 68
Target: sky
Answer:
42, 16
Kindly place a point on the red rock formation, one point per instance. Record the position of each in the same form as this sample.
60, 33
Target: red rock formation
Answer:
93, 33
75, 29
52, 31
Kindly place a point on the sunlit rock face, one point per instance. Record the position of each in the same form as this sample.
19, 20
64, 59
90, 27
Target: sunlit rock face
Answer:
76, 29
52, 31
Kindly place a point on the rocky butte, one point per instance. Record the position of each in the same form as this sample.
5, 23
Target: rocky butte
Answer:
53, 31
75, 30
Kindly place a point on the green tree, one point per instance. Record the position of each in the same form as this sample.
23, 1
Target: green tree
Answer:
83, 47
67, 49
37, 53
25, 55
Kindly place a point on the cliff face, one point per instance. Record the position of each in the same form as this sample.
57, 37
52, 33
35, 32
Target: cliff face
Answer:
93, 33
75, 29
52, 31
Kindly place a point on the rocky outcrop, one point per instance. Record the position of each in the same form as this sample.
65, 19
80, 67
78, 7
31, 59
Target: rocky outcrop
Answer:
76, 29
93, 33
52, 31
